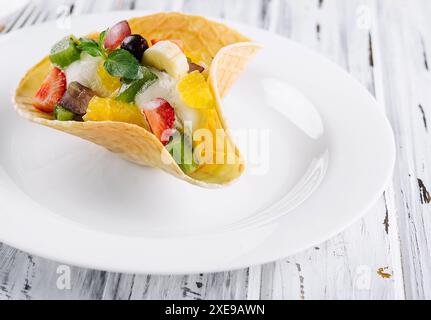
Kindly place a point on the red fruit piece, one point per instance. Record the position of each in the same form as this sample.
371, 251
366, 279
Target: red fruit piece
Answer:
117, 34
51, 91
161, 117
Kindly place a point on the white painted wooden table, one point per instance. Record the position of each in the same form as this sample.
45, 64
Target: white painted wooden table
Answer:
386, 45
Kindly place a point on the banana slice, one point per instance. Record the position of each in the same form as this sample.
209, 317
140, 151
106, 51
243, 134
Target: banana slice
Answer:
167, 56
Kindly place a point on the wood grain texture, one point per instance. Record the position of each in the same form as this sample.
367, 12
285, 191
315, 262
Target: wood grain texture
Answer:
344, 267
386, 46
404, 34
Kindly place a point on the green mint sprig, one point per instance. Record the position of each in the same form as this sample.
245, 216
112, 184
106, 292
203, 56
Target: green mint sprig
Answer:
118, 63
121, 63
93, 48
102, 38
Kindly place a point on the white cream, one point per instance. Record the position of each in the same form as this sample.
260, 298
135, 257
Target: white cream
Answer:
84, 71
166, 88
162, 88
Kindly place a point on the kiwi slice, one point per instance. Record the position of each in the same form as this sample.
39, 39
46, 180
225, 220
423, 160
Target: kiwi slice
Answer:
65, 52
180, 149
63, 114
130, 89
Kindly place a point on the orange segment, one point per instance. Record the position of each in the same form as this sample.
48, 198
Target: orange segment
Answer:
110, 83
105, 109
195, 91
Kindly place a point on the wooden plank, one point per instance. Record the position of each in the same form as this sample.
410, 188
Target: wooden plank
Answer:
82, 7
23, 18
404, 35
347, 266
16, 20
158, 6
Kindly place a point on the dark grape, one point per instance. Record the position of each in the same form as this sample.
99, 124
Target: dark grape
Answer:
136, 45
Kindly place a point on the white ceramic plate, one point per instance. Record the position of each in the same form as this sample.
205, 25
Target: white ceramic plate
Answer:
329, 157
11, 7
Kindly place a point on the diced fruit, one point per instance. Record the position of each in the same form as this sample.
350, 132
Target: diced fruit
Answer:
185, 115
64, 53
179, 43
51, 91
195, 67
129, 90
195, 91
77, 98
136, 45
181, 150
117, 34
166, 87
84, 71
189, 168
105, 109
89, 73
110, 83
63, 114
167, 56
161, 117
163, 87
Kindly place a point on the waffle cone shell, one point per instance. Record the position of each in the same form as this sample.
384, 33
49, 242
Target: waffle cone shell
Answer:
223, 49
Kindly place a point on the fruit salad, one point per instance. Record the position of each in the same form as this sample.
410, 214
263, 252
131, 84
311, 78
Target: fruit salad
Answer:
122, 77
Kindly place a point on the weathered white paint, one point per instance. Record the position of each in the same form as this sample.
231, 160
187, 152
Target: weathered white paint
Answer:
384, 44
405, 40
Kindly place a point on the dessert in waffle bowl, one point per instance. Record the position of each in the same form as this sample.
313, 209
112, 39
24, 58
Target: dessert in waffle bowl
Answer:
149, 89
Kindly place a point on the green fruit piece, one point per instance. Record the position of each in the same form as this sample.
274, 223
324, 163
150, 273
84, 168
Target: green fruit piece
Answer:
130, 89
188, 168
182, 155
63, 114
65, 52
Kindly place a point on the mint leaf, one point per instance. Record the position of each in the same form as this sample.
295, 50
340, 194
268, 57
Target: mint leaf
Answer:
130, 88
102, 38
148, 75
90, 46
123, 64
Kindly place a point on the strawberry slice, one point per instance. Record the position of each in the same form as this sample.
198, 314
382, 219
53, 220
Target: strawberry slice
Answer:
51, 91
161, 117
117, 34
179, 43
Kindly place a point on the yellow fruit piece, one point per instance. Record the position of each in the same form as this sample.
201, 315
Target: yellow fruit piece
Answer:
196, 58
110, 83
195, 91
105, 109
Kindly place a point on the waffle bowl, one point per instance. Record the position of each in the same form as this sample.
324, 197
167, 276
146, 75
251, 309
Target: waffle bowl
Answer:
223, 49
